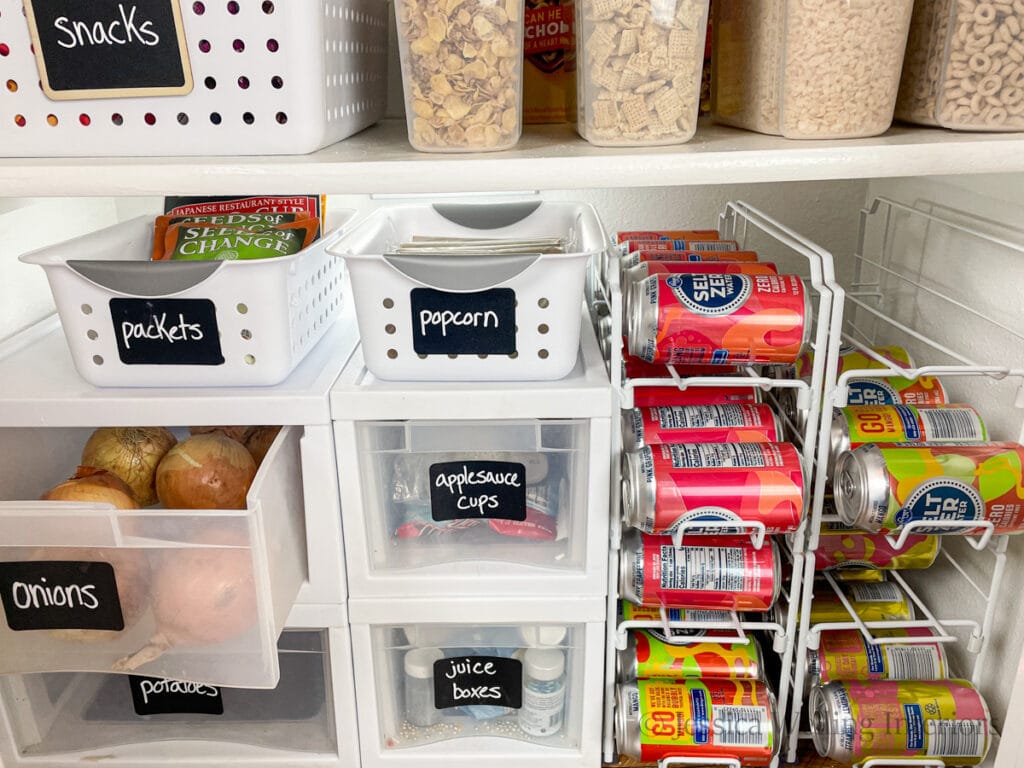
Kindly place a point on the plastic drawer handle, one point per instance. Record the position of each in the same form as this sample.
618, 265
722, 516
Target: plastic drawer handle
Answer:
141, 279
461, 273
487, 216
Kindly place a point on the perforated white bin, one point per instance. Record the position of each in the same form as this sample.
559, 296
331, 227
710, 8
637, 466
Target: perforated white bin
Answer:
196, 323
267, 78
538, 295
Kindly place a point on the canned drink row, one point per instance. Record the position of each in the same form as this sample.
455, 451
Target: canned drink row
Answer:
870, 601
707, 423
647, 656
845, 549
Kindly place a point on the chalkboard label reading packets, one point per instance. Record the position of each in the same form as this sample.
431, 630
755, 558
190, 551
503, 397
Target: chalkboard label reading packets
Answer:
166, 331
461, 490
481, 323
109, 48
478, 680
60, 594
159, 696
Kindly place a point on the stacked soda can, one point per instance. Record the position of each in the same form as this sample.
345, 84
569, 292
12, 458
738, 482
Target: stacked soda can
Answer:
703, 468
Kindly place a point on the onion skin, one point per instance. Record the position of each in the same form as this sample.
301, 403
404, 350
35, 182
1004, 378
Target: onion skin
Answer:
234, 432
258, 440
131, 453
200, 596
209, 471
93, 485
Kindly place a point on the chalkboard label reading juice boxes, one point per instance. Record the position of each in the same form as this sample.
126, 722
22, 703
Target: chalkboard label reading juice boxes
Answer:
109, 48
60, 594
478, 680
480, 323
461, 490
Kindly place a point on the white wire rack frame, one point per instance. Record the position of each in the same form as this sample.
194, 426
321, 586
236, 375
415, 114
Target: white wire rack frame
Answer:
863, 317
741, 222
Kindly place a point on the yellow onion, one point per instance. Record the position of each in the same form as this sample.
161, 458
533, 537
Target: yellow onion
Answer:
201, 596
234, 432
93, 485
209, 471
131, 453
257, 441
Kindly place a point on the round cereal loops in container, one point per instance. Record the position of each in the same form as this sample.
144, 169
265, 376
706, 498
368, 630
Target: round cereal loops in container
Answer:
639, 70
462, 73
964, 67
808, 69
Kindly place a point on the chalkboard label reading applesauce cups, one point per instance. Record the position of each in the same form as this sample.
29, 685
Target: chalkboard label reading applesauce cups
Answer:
478, 680
101, 49
159, 696
461, 490
60, 594
166, 331
480, 323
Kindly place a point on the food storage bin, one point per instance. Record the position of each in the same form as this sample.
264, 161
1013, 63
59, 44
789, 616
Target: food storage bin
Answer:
458, 683
470, 317
462, 73
964, 67
239, 78
808, 69
640, 70
475, 507
61, 719
133, 322
198, 595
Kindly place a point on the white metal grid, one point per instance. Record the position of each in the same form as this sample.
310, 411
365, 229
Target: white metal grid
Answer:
864, 316
744, 224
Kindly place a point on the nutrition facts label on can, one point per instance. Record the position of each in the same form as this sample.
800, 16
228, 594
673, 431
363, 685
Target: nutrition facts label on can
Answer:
951, 424
696, 416
711, 455
715, 569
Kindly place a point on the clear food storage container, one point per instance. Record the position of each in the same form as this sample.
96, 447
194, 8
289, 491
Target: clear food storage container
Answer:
58, 718
639, 71
462, 73
964, 67
210, 78
808, 69
190, 594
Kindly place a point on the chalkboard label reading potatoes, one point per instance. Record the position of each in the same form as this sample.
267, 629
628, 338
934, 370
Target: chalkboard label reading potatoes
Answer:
461, 490
60, 594
481, 323
158, 696
478, 680
166, 331
95, 49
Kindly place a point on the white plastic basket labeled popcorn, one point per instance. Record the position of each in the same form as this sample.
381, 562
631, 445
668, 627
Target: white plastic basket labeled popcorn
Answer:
480, 307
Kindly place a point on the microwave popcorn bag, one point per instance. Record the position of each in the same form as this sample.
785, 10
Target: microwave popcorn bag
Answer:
640, 72
462, 66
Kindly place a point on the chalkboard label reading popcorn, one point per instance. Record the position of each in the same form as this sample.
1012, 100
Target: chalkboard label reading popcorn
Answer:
479, 323
478, 681
109, 48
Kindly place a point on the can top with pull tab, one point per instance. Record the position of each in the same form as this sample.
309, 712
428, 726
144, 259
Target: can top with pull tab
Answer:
861, 485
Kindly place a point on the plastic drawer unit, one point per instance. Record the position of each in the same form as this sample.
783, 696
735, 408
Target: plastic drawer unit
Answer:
454, 682
193, 594
475, 489
59, 719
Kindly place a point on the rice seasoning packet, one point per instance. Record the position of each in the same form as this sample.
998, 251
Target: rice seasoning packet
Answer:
254, 222
207, 242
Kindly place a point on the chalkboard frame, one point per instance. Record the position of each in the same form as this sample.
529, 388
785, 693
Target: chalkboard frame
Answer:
119, 92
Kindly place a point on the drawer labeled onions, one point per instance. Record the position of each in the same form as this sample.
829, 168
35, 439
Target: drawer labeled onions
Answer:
184, 320
822, 70
441, 492
436, 682
186, 568
59, 715
471, 291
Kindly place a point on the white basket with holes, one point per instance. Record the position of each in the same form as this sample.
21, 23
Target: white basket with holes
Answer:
132, 322
470, 317
229, 77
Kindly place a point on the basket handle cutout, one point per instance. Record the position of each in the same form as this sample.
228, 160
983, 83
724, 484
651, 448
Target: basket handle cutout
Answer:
145, 278
486, 216
461, 273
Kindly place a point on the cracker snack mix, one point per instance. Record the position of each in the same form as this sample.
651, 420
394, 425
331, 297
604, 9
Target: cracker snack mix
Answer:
640, 70
462, 70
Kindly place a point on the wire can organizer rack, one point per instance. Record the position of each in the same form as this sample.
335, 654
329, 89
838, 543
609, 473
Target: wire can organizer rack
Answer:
257, 78
753, 230
892, 295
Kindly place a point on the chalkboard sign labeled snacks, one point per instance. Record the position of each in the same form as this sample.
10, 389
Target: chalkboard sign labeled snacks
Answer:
60, 595
166, 331
104, 49
461, 490
478, 681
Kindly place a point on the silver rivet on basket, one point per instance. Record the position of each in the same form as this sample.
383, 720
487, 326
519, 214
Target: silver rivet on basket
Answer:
543, 303
86, 309
92, 334
392, 353
543, 328
250, 359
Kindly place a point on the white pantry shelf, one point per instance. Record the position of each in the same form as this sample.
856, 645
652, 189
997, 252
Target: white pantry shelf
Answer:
380, 160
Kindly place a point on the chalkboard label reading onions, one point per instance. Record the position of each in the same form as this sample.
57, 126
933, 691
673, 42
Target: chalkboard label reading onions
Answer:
481, 323
60, 594
166, 331
99, 49
159, 696
461, 490
478, 680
